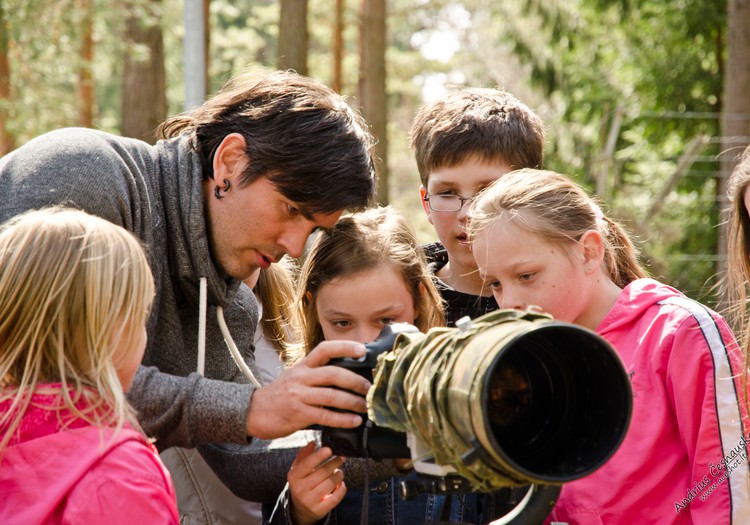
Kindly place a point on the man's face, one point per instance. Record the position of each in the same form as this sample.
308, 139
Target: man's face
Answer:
464, 180
253, 226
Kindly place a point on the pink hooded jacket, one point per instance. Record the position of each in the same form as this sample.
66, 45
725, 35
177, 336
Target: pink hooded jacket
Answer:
82, 475
684, 459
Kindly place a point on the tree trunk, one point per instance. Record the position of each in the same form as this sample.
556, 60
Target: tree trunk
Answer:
293, 36
735, 114
207, 42
85, 78
338, 46
7, 140
144, 101
372, 85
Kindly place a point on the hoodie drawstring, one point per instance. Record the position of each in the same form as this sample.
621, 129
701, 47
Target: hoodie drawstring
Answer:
202, 325
224, 332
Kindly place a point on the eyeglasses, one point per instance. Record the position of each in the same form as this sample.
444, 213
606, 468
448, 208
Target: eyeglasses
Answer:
448, 202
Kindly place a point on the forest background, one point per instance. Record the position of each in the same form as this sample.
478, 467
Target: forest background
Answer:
646, 103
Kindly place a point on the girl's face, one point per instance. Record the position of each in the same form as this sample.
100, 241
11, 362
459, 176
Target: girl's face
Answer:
358, 306
128, 358
523, 269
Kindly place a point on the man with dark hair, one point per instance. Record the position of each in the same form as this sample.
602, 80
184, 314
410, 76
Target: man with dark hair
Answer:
235, 185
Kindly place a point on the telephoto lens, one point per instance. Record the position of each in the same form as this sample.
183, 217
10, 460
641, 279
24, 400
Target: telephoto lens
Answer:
511, 398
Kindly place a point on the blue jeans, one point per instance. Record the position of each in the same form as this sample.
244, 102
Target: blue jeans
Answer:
385, 507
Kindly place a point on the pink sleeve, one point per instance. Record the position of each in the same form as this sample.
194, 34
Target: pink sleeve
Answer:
704, 390
129, 486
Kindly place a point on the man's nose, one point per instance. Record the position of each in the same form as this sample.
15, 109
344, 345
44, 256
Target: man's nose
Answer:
294, 239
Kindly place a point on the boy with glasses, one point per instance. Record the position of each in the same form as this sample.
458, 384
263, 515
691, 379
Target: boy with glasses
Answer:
463, 142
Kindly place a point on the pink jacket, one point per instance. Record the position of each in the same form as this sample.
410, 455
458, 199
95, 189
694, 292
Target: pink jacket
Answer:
684, 459
82, 475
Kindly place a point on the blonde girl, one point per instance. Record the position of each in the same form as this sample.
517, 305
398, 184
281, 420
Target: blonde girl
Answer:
738, 253
540, 240
75, 293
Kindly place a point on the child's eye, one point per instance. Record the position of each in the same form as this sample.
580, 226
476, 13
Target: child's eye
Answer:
387, 320
526, 276
292, 210
495, 285
341, 323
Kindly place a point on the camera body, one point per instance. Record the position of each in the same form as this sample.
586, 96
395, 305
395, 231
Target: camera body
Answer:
369, 440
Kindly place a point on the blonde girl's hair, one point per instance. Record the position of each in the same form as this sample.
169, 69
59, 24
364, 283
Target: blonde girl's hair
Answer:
553, 206
360, 242
738, 263
75, 291
276, 291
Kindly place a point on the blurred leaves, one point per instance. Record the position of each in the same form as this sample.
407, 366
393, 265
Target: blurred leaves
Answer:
648, 72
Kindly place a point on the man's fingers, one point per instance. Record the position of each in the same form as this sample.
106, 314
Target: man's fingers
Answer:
329, 397
328, 350
306, 393
340, 378
331, 418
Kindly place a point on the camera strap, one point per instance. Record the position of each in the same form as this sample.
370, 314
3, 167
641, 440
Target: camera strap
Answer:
364, 517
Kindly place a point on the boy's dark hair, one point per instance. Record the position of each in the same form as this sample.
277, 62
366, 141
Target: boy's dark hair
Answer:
298, 133
490, 125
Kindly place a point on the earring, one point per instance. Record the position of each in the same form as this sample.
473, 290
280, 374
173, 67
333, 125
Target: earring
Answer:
218, 190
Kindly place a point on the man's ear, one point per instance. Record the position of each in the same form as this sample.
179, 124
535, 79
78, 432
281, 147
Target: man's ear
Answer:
425, 205
592, 245
230, 160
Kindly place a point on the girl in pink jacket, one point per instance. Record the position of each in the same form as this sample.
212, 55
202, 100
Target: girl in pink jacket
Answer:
75, 292
540, 240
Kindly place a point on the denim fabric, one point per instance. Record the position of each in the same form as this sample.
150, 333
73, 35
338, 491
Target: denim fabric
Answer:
385, 507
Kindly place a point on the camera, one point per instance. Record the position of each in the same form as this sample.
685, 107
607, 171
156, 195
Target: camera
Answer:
512, 398
370, 440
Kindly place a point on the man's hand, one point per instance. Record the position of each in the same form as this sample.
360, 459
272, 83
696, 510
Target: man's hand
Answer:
304, 394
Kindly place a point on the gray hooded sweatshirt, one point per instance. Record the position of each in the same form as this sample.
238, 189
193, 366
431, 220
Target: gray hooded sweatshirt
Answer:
156, 193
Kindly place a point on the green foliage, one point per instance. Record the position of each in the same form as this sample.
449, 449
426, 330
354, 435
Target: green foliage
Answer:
583, 65
657, 63
42, 56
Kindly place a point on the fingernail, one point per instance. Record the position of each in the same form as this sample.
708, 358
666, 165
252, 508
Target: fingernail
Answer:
360, 350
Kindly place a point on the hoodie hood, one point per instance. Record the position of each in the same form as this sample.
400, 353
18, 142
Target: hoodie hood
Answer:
38, 475
50, 474
156, 192
633, 302
180, 175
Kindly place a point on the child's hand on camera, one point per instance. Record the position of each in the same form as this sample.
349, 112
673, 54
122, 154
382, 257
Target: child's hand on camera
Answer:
316, 484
